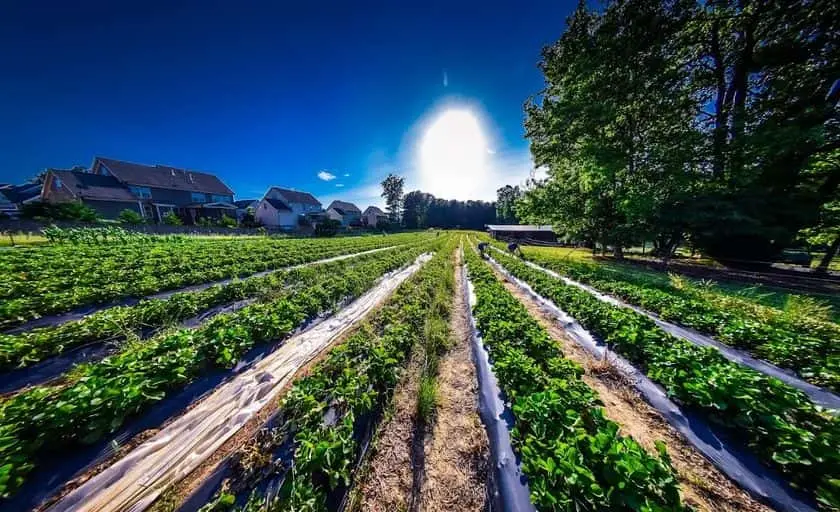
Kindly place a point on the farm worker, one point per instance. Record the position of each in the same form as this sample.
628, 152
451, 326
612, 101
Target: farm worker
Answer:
482, 247
513, 248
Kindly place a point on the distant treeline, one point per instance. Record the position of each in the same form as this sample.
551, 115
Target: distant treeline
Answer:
421, 210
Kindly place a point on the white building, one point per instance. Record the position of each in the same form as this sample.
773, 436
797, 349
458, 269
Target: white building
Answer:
373, 216
282, 207
347, 213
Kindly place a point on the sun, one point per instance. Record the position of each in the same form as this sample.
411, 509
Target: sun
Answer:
453, 156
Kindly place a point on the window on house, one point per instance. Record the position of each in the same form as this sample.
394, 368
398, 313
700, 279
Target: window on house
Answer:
141, 192
222, 199
198, 197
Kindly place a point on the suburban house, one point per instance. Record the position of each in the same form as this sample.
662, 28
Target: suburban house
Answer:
14, 197
373, 216
286, 208
151, 190
347, 213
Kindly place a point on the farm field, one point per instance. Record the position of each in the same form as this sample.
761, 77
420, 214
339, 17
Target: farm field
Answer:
385, 373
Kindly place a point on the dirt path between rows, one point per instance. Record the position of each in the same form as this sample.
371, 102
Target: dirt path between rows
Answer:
387, 477
457, 451
701, 485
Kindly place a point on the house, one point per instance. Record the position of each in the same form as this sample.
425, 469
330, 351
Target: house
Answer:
522, 232
14, 197
152, 190
347, 213
287, 208
373, 216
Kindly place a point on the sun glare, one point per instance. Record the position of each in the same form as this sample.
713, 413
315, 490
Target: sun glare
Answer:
453, 156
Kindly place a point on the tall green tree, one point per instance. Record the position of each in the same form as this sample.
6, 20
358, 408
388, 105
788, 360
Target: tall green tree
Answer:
614, 126
506, 198
392, 191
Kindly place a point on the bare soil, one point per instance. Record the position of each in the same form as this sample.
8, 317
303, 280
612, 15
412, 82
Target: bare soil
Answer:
457, 451
702, 486
387, 478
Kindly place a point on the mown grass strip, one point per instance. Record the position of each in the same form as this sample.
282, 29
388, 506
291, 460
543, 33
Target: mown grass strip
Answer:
778, 422
106, 393
809, 347
354, 381
574, 458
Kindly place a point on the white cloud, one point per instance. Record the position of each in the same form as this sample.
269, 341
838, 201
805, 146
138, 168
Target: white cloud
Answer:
339, 185
346, 174
326, 176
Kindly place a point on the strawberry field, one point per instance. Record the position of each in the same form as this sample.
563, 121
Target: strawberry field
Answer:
320, 374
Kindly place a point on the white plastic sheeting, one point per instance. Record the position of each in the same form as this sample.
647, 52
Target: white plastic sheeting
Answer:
732, 460
136, 480
816, 394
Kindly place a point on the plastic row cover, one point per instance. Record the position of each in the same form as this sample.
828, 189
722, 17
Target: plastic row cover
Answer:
136, 480
730, 457
818, 395
78, 314
508, 487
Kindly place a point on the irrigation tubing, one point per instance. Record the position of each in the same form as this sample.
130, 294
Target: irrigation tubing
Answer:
507, 486
136, 480
83, 311
729, 456
819, 396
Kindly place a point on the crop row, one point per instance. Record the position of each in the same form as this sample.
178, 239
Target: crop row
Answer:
102, 395
352, 383
574, 457
810, 348
27, 348
778, 422
61, 289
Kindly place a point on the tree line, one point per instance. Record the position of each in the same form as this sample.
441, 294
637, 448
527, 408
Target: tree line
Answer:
420, 210
707, 123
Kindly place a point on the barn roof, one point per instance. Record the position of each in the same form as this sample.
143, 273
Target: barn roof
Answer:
517, 228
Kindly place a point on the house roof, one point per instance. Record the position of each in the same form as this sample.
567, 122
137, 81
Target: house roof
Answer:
343, 207
373, 210
21, 193
517, 227
85, 185
245, 203
294, 196
162, 176
277, 204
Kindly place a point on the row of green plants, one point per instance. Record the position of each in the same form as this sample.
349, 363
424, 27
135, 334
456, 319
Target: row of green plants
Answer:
100, 235
810, 348
27, 348
353, 382
176, 266
98, 398
778, 422
573, 456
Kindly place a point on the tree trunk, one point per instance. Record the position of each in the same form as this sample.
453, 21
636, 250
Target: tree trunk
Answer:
822, 268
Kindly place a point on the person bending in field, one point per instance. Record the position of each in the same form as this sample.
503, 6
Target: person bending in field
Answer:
514, 249
482, 249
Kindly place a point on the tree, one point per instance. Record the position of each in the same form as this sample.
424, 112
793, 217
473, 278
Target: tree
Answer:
506, 198
392, 191
130, 217
327, 228
614, 126
415, 209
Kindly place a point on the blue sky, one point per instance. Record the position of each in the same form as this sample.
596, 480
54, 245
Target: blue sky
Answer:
270, 93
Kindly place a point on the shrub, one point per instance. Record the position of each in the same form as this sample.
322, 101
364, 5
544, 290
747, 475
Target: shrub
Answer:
328, 227
227, 222
170, 219
130, 217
